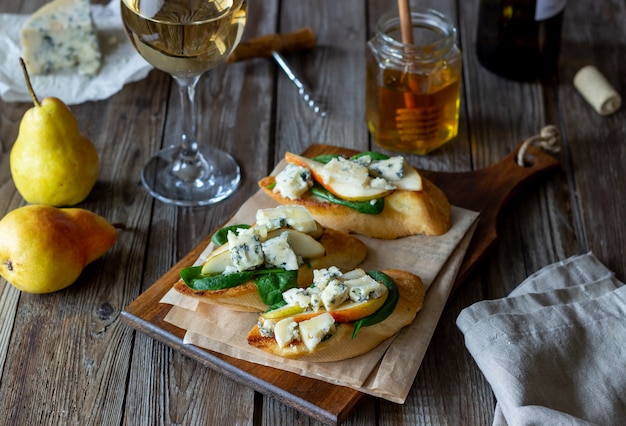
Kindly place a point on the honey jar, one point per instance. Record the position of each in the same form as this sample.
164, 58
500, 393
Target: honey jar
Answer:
412, 94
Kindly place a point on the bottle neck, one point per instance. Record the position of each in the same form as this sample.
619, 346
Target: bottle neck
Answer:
546, 9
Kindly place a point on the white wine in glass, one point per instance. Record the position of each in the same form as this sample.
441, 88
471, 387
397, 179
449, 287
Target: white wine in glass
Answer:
185, 38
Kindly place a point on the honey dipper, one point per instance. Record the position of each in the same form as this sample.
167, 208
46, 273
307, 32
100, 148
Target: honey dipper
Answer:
413, 122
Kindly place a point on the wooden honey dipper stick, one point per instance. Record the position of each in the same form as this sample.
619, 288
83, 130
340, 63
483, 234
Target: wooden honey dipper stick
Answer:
413, 123
407, 38
266, 45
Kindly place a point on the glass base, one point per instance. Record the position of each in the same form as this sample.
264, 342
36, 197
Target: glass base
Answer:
206, 178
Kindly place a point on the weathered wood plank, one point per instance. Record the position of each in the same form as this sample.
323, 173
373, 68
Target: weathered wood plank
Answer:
166, 386
596, 36
65, 358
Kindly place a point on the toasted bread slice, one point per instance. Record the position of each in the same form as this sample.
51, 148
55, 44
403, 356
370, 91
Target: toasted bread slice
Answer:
406, 213
341, 345
342, 250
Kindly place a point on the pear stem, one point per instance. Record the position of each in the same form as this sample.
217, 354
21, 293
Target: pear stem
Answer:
28, 84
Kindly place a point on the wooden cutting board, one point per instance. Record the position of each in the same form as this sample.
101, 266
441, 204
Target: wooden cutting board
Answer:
485, 191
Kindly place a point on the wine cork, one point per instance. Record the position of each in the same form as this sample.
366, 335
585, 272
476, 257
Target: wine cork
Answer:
597, 90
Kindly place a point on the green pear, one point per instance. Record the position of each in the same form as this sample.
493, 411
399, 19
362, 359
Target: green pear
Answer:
51, 162
44, 249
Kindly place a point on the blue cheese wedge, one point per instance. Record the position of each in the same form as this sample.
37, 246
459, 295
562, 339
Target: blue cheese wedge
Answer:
61, 35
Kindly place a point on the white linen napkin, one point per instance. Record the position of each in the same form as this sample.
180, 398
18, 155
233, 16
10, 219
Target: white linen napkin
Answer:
554, 350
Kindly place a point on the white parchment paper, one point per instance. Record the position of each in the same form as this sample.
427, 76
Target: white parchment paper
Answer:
389, 370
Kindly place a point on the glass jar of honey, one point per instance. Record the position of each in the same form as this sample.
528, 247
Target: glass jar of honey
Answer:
412, 94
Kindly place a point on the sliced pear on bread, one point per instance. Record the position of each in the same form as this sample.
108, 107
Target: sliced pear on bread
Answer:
341, 344
302, 244
338, 187
217, 261
348, 312
411, 181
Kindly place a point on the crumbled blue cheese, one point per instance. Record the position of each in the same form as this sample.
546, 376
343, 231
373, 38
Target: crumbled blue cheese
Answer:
364, 160
293, 181
391, 169
321, 277
363, 288
317, 329
293, 216
286, 331
279, 254
334, 294
331, 288
246, 251
266, 327
345, 170
61, 35
311, 332
298, 296
316, 299
381, 183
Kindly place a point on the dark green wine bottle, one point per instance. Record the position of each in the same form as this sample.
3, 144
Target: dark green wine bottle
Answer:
519, 39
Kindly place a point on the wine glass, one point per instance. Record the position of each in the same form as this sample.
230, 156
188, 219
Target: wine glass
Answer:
185, 38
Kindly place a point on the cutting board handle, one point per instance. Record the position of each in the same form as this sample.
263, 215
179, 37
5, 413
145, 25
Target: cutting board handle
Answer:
487, 191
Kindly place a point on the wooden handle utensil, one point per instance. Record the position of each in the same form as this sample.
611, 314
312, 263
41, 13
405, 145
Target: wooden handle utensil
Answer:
263, 46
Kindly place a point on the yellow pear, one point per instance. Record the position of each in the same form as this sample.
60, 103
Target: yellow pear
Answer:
44, 249
51, 162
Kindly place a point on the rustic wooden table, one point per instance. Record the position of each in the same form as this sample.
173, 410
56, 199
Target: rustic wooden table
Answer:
67, 358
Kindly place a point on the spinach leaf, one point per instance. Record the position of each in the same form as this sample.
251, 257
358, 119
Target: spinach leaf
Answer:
220, 236
325, 158
374, 206
375, 156
271, 284
194, 278
388, 307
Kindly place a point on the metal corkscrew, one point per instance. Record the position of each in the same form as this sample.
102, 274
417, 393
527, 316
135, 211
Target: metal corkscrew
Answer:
301, 88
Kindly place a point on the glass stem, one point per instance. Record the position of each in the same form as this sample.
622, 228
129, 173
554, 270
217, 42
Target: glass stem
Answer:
189, 165
187, 91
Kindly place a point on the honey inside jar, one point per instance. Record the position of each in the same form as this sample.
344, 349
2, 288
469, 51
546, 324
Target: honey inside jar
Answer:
413, 92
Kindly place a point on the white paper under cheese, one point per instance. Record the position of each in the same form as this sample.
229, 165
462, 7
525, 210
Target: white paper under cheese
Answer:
61, 35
